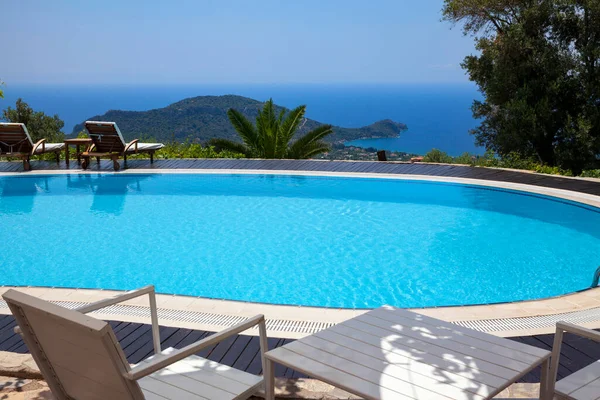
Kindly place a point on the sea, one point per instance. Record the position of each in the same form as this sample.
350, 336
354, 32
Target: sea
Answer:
437, 115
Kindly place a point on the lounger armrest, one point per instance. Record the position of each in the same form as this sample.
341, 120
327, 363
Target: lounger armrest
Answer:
149, 290
562, 328
41, 142
161, 362
579, 330
133, 142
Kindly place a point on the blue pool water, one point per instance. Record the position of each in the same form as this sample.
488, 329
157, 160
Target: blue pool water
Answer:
315, 241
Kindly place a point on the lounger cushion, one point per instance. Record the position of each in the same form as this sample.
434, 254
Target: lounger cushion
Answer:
50, 147
146, 147
197, 378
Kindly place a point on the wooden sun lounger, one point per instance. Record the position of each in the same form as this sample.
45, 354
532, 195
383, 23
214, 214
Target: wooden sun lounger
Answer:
108, 142
81, 358
15, 142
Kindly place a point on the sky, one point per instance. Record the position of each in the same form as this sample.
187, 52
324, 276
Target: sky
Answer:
233, 41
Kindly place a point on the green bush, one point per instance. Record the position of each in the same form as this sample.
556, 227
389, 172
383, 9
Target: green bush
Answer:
465, 158
512, 161
193, 150
591, 173
438, 156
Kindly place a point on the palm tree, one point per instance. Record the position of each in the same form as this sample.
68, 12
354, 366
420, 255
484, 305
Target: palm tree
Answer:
271, 136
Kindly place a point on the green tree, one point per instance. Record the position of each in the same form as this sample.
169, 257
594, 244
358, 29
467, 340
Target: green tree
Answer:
39, 125
271, 136
538, 69
1, 92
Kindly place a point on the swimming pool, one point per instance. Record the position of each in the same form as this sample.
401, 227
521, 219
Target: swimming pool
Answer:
313, 241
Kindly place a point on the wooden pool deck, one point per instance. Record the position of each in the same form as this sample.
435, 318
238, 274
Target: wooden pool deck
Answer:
370, 167
242, 352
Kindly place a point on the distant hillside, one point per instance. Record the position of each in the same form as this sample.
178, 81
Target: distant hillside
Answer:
202, 118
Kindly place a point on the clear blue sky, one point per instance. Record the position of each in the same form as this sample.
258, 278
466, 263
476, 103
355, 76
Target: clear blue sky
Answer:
233, 41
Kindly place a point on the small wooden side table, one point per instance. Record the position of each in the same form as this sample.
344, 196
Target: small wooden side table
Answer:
77, 143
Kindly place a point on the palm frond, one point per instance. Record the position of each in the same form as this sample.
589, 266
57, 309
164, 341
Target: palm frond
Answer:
243, 127
224, 144
268, 127
281, 115
292, 122
309, 150
310, 144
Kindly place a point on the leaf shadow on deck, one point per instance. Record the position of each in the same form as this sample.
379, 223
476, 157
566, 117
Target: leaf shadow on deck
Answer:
410, 356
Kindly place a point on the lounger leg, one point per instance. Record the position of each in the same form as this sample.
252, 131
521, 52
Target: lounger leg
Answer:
544, 383
85, 163
98, 160
124, 159
151, 157
26, 164
269, 377
116, 165
58, 157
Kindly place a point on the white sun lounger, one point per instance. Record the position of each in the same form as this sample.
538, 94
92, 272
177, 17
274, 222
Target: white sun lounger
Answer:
81, 358
107, 141
15, 142
583, 384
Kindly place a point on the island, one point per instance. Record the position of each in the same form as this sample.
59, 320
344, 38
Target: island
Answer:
199, 119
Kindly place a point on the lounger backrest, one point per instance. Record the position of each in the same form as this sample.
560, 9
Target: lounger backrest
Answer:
78, 355
106, 136
14, 138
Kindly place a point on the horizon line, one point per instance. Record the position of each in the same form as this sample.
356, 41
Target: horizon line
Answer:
7, 85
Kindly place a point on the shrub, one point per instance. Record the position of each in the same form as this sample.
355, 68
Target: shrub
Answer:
591, 173
437, 156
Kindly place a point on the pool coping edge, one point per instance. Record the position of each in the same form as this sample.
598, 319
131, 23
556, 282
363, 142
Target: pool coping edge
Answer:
283, 316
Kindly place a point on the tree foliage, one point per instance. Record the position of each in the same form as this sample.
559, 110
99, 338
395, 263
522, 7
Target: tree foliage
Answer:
272, 136
39, 125
1, 92
538, 67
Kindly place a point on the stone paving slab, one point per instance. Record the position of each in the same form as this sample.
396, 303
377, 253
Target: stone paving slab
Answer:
21, 366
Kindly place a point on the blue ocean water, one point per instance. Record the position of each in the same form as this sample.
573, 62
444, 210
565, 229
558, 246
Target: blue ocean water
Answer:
438, 115
315, 241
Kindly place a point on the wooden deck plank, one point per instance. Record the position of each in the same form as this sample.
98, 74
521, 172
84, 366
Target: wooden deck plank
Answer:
177, 337
7, 333
21, 349
236, 350
576, 354
221, 349
12, 342
255, 366
7, 320
193, 337
143, 347
245, 358
583, 346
